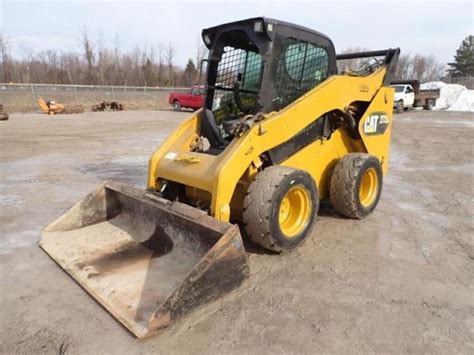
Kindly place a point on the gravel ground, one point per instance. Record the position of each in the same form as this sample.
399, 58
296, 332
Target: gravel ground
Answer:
400, 281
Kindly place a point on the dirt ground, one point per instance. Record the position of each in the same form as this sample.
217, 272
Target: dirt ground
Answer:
400, 281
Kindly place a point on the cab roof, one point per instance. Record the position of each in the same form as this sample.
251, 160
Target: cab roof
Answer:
271, 26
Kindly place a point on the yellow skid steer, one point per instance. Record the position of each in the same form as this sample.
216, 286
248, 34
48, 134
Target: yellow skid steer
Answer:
280, 130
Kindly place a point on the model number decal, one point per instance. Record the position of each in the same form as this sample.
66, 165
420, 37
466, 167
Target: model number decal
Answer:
376, 123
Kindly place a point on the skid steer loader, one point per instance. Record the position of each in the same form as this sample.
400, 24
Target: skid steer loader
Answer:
281, 129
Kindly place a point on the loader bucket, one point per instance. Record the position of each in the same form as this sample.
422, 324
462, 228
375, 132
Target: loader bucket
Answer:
147, 260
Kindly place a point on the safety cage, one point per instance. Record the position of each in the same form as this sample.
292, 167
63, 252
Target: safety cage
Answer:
260, 65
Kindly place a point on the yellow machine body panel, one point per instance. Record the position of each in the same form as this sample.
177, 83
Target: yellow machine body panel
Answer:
378, 115
319, 158
220, 174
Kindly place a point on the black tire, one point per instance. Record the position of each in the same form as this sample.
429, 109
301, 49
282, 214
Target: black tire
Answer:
176, 106
263, 207
429, 105
345, 185
399, 108
3, 116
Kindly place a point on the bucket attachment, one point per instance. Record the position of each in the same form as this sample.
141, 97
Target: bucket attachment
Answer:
147, 260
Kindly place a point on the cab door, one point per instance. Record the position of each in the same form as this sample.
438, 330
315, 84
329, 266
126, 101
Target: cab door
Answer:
409, 96
186, 100
196, 99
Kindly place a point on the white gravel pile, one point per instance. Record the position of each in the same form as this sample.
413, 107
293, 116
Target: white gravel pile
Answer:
453, 97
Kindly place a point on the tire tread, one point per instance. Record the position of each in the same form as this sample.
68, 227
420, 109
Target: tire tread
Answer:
258, 201
343, 185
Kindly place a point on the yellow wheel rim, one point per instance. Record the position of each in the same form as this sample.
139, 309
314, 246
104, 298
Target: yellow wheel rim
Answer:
369, 185
295, 210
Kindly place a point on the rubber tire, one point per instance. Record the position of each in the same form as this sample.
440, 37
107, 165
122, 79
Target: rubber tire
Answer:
429, 105
345, 182
176, 106
262, 203
399, 108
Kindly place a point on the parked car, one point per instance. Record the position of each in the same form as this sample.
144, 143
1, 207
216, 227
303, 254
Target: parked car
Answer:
194, 98
409, 95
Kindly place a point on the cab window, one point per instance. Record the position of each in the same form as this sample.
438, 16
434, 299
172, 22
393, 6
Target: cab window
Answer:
399, 88
300, 67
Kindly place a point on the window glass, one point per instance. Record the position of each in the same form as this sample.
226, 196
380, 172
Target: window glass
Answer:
241, 66
301, 66
399, 88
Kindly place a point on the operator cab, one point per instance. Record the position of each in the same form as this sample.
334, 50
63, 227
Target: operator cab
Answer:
259, 65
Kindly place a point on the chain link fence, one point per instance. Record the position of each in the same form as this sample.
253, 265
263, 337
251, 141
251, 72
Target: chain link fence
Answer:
22, 97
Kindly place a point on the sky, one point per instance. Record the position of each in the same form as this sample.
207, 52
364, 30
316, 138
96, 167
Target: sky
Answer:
425, 27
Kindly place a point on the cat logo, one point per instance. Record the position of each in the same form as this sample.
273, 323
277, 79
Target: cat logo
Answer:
376, 123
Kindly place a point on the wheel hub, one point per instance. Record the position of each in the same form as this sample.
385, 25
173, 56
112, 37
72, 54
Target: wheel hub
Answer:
368, 187
294, 212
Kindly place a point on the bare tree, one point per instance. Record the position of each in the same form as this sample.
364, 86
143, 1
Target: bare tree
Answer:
101, 58
434, 69
96, 63
52, 64
89, 55
27, 54
419, 67
169, 61
201, 53
107, 64
145, 65
116, 59
5, 53
403, 67
160, 69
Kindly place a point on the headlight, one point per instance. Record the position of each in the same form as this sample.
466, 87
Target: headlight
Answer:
258, 26
207, 39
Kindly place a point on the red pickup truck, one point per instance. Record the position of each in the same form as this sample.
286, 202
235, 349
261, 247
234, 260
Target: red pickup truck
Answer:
194, 98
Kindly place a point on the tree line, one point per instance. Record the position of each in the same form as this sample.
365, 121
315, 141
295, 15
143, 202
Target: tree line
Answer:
99, 64
420, 67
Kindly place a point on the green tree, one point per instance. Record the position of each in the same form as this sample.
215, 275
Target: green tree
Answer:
463, 64
190, 73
